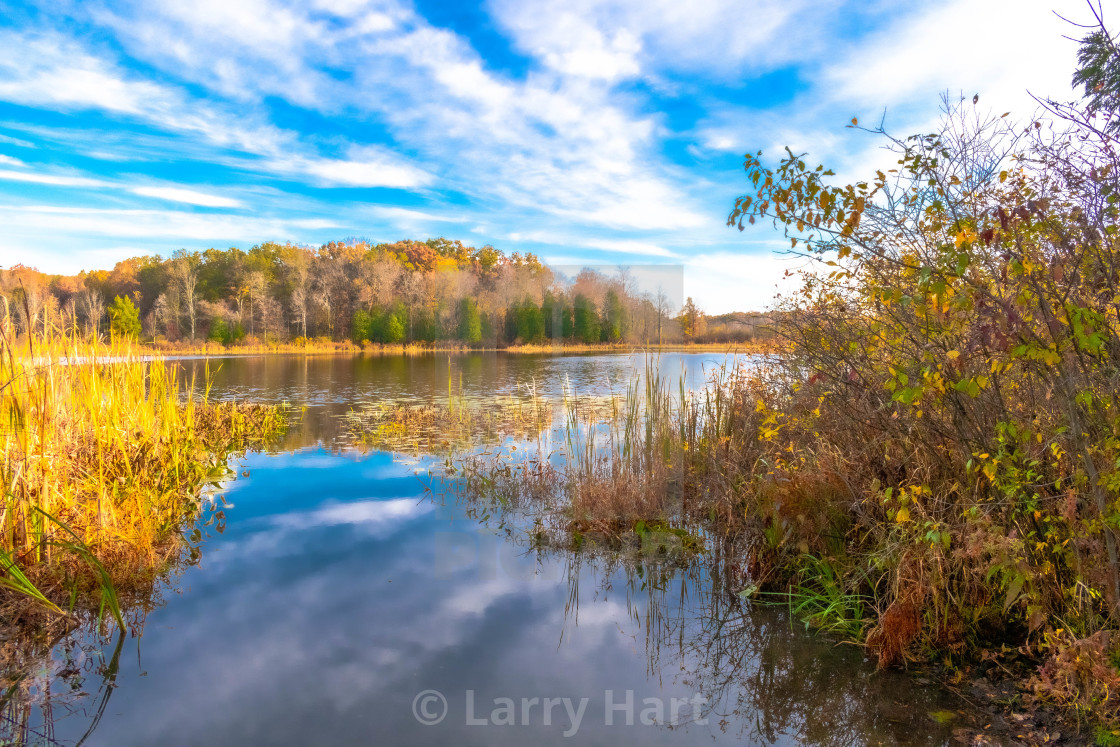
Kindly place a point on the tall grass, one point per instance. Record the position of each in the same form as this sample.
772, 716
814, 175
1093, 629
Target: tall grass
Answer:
639, 463
104, 455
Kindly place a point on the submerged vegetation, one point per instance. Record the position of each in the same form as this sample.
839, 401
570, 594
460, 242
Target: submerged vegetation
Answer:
434, 429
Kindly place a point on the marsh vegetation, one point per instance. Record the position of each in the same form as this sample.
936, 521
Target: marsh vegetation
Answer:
926, 467
105, 458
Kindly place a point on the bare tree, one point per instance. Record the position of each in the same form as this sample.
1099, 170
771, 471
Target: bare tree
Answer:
93, 308
270, 313
185, 277
414, 288
330, 289
299, 308
379, 278
298, 266
68, 315
161, 315
256, 288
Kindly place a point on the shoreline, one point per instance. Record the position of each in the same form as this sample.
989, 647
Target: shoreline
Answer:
345, 348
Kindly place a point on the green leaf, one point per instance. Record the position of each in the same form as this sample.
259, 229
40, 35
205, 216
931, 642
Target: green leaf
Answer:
1013, 592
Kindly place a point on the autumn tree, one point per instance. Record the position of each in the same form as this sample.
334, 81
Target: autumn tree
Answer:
957, 339
691, 320
285, 290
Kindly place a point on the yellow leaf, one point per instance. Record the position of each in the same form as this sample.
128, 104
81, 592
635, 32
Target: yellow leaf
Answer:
903, 515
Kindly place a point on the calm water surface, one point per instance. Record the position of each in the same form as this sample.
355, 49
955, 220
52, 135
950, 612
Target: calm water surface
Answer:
341, 588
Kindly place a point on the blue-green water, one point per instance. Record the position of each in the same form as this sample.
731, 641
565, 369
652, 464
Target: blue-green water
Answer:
341, 589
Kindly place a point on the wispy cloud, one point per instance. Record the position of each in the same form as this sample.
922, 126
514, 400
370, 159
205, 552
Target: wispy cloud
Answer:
75, 222
32, 177
365, 167
188, 196
910, 61
165, 193
9, 140
587, 128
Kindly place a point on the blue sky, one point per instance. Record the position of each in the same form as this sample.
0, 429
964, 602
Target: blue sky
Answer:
603, 132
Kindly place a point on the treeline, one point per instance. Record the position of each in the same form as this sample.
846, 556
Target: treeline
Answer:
403, 292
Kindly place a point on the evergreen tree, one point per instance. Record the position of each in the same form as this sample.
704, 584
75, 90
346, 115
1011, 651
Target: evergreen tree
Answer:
530, 322
567, 323
587, 328
616, 317
124, 318
395, 327
219, 331
470, 324
360, 326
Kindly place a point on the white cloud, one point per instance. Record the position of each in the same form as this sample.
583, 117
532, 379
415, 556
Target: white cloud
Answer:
415, 216
630, 246
51, 179
619, 246
613, 39
553, 144
171, 194
188, 196
369, 167
29, 220
16, 141
56, 73
925, 53
571, 44
575, 152
374, 514
33, 76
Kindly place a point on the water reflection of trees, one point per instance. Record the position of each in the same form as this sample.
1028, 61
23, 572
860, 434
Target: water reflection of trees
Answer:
766, 680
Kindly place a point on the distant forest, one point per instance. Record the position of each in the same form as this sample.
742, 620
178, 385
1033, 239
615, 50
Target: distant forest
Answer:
404, 292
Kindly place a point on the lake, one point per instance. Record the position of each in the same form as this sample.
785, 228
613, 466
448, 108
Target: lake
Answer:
351, 599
